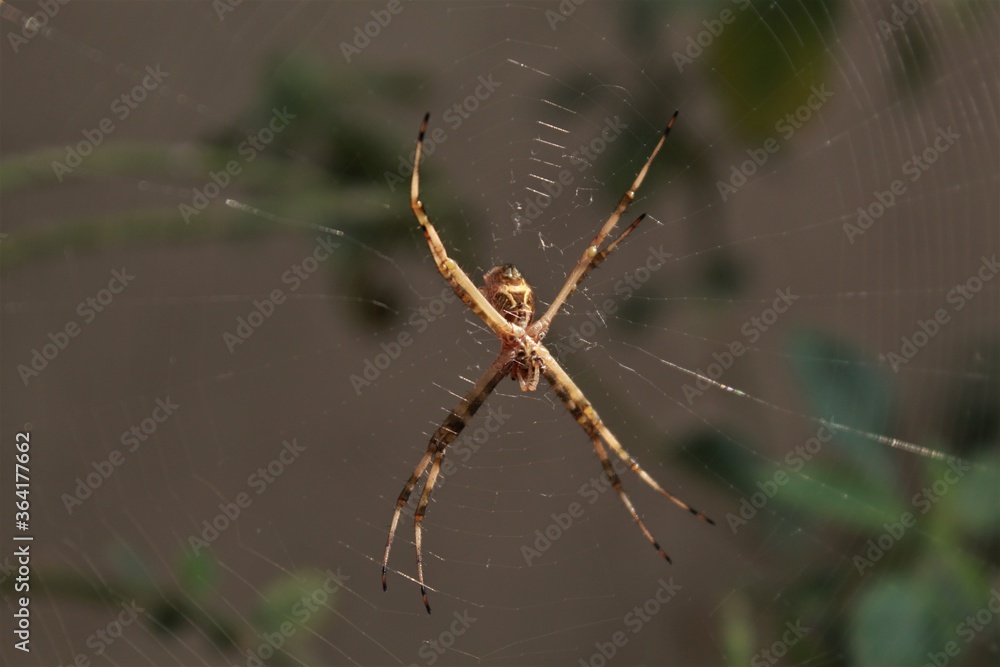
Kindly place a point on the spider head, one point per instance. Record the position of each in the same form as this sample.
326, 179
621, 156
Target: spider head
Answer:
510, 294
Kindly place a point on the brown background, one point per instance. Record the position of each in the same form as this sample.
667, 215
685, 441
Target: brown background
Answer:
330, 508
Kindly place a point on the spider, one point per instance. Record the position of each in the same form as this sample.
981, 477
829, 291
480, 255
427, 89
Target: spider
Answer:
506, 304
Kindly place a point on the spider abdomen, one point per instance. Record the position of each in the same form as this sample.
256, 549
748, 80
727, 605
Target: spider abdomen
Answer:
508, 292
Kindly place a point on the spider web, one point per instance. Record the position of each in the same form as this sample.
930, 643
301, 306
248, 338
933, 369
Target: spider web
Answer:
754, 309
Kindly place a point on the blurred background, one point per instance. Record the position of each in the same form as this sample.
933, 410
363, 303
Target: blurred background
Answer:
801, 339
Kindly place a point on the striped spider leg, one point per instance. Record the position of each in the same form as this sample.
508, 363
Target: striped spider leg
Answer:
444, 436
449, 268
506, 304
593, 251
586, 416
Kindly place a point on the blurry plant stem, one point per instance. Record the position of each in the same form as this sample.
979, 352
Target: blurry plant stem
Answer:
344, 207
164, 610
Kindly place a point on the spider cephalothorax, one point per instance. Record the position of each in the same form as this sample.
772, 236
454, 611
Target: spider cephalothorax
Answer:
506, 304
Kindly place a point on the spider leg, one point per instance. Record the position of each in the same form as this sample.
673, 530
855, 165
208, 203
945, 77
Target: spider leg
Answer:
585, 415
593, 250
404, 496
539, 329
603, 255
447, 267
645, 476
613, 477
444, 436
418, 519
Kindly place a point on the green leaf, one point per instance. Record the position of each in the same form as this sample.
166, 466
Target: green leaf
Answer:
294, 602
738, 629
959, 581
843, 387
130, 568
719, 456
973, 501
198, 573
767, 60
893, 624
835, 494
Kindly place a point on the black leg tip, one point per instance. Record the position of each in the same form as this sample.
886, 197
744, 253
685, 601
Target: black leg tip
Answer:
670, 123
423, 593
700, 515
423, 125
659, 549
